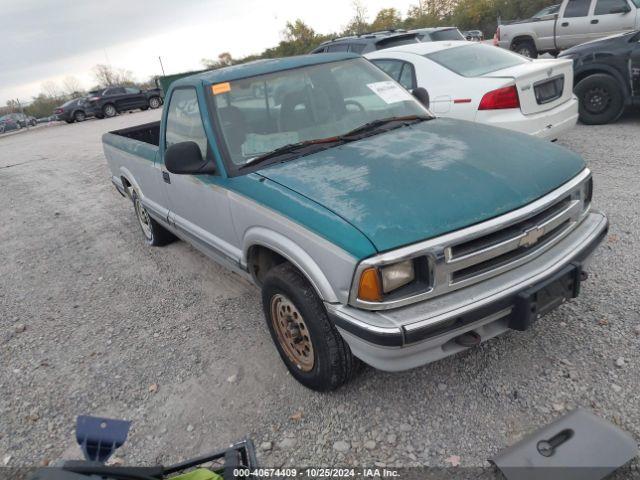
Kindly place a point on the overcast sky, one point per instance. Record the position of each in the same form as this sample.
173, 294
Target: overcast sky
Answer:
51, 39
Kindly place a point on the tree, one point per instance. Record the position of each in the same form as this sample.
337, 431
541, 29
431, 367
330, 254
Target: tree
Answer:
51, 89
225, 59
386, 19
107, 76
71, 86
358, 24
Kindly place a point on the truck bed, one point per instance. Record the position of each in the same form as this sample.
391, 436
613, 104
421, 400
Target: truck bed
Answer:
147, 133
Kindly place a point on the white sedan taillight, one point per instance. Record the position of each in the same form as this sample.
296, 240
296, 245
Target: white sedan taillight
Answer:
500, 99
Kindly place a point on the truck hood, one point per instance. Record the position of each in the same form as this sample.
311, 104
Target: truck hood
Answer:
429, 179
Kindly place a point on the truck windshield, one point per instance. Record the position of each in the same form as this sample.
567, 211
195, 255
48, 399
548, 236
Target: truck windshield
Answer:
475, 60
260, 114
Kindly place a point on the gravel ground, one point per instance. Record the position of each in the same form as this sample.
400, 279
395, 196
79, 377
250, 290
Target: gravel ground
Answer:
92, 321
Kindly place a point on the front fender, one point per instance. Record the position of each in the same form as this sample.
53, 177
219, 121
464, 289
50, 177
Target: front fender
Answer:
261, 236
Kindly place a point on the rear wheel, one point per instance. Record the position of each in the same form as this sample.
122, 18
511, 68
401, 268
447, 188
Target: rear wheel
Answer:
79, 116
526, 48
154, 102
109, 110
154, 233
309, 344
601, 99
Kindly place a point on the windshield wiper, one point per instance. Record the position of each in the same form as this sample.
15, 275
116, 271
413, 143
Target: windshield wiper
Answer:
377, 124
292, 148
324, 143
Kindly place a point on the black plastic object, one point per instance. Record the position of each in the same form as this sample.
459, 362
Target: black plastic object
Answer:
99, 437
577, 446
534, 302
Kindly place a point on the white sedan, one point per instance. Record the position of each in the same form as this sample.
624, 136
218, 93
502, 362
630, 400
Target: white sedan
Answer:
485, 84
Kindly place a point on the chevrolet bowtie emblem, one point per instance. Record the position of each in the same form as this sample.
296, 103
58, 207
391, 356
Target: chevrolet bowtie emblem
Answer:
532, 236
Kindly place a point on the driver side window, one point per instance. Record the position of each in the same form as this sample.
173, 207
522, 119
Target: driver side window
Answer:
184, 122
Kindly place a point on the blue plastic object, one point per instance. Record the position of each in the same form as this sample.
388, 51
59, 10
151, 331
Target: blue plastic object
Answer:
99, 437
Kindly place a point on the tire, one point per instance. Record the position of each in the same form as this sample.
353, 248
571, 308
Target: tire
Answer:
155, 102
291, 307
526, 48
109, 110
601, 99
154, 233
79, 116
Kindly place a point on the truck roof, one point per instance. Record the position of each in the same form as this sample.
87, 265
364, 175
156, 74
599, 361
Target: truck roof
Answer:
260, 67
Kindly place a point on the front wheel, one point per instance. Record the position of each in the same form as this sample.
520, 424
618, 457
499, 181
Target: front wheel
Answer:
526, 48
601, 99
307, 341
154, 233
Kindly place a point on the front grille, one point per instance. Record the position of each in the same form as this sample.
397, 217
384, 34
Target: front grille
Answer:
492, 251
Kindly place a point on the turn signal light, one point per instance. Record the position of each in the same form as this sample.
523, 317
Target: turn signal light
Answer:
500, 99
369, 288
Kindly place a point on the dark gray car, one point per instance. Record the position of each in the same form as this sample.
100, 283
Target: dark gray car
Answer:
75, 110
368, 42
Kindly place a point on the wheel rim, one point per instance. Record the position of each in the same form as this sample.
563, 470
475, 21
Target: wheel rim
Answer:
524, 52
154, 103
597, 100
110, 111
143, 218
292, 332
80, 117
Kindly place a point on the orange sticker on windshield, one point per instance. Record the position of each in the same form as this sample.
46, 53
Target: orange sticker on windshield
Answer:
221, 88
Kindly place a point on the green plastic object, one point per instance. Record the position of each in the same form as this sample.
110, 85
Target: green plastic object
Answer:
198, 474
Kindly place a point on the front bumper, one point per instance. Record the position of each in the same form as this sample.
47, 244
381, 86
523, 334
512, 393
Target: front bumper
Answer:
424, 332
548, 125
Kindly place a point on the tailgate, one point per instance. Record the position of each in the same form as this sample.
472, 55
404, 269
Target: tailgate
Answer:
542, 84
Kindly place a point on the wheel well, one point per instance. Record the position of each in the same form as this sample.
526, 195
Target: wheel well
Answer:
127, 185
262, 259
522, 38
587, 73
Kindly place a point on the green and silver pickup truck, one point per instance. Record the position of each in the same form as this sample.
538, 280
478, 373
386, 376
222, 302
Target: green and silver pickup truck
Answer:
376, 232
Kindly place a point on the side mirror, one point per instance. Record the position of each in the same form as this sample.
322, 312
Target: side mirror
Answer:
185, 158
621, 9
422, 96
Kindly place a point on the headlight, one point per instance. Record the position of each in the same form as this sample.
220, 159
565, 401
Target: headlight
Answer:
587, 192
396, 276
406, 277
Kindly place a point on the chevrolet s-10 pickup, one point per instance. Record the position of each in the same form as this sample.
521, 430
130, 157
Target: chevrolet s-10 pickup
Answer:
376, 232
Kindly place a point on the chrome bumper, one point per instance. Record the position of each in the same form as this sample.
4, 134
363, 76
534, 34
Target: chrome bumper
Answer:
417, 334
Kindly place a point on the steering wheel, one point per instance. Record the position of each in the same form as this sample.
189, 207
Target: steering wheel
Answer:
358, 105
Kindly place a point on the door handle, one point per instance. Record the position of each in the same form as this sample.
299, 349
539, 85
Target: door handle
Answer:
166, 177
595, 21
565, 24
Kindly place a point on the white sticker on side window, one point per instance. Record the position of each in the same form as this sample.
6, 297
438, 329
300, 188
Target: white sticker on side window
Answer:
390, 92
